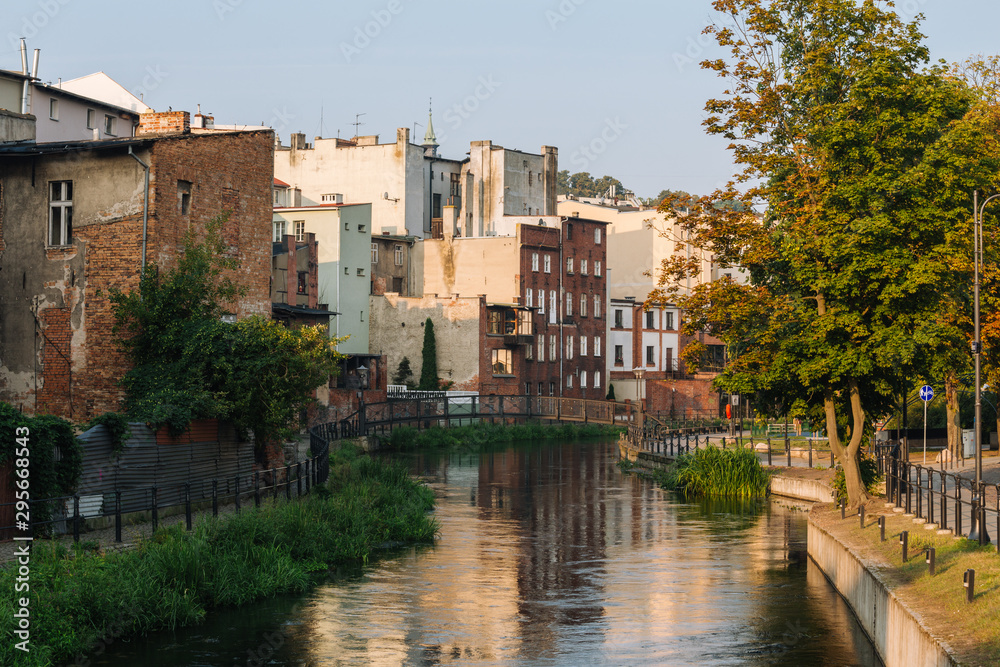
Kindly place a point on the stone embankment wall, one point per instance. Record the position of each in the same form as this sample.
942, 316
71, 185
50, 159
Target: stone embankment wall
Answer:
897, 633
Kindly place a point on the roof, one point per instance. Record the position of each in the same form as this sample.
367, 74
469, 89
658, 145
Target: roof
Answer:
101, 87
281, 184
53, 147
318, 207
289, 309
515, 306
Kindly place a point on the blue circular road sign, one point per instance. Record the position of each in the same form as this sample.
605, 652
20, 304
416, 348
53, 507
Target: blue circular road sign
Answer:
927, 392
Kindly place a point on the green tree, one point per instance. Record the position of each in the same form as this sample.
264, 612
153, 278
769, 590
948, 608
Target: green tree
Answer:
189, 364
861, 157
428, 365
404, 374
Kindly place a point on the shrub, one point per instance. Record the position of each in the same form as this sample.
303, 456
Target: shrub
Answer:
870, 477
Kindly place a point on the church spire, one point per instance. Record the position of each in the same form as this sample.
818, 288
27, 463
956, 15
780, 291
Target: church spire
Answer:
430, 141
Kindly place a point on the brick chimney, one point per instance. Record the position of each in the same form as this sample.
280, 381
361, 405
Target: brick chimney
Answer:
164, 122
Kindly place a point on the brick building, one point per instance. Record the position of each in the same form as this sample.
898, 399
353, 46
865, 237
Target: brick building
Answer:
75, 223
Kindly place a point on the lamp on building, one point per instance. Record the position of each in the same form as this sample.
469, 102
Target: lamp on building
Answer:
639, 373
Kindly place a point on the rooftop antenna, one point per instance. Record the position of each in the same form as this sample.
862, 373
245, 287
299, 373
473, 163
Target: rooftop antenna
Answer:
357, 123
321, 120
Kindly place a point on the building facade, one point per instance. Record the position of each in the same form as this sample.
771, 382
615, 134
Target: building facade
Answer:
72, 230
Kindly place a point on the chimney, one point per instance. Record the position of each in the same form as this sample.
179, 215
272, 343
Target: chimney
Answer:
298, 141
292, 271
164, 122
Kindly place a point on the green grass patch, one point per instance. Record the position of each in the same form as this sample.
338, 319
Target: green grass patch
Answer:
406, 438
732, 473
80, 597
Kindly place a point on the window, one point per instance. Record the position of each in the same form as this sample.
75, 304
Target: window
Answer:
362, 228
669, 363
583, 346
455, 185
597, 236
650, 356
347, 271
619, 318
583, 379
597, 379
398, 255
569, 381
619, 355
300, 230
361, 272
547, 263
397, 285
53, 109
569, 231
569, 265
650, 319
347, 226
553, 347
528, 293
597, 346
583, 305
184, 197
597, 305
303, 281
502, 362
583, 267
541, 302
60, 212
529, 178
552, 306
436, 203
569, 305
534, 261
529, 352
374, 252
569, 347
91, 119
552, 389
541, 351
527, 389
541, 388
279, 230
597, 269
110, 125
670, 320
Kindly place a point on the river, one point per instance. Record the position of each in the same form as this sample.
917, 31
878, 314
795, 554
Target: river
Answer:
549, 555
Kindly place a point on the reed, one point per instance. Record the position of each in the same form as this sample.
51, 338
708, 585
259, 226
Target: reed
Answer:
734, 473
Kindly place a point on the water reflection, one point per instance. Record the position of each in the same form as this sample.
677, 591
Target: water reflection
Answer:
549, 555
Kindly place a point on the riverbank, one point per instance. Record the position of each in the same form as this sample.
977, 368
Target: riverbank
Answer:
407, 438
80, 597
967, 633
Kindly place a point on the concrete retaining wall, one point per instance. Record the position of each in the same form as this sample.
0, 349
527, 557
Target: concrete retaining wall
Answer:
897, 633
801, 489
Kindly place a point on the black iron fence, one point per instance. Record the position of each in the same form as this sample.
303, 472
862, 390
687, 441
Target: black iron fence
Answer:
69, 512
951, 501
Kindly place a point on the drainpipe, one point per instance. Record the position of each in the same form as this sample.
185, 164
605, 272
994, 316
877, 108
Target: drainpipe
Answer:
145, 212
560, 312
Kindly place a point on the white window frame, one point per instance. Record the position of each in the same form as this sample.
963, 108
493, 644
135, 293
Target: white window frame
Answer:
583, 305
53, 109
597, 379
583, 379
91, 119
569, 266
300, 230
552, 306
569, 381
583, 346
374, 253
534, 261
541, 301
60, 228
597, 269
398, 254
597, 236
597, 305
541, 348
528, 295
597, 346
547, 263
110, 125
569, 304
275, 235
583, 267
553, 347
569, 347
508, 364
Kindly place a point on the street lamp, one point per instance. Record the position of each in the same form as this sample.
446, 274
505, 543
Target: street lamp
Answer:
639, 372
977, 234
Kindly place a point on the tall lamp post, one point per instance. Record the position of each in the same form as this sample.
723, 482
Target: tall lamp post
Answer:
639, 385
977, 343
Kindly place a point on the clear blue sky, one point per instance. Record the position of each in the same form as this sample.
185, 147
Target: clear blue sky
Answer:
618, 77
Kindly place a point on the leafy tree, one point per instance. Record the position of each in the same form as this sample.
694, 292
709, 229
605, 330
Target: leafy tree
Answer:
862, 158
582, 184
189, 364
428, 365
404, 374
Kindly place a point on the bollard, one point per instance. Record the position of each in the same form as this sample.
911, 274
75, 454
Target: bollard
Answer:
187, 505
215, 497
274, 482
156, 515
861, 513
904, 539
843, 511
881, 528
930, 561
769, 451
810, 453
256, 488
237, 494
969, 581
788, 451
298, 479
288, 482
118, 516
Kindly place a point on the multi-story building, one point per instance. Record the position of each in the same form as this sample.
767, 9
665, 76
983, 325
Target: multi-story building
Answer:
391, 264
77, 221
343, 237
295, 282
408, 185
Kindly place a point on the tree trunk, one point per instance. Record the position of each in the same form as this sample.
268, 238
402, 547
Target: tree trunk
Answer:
952, 416
848, 455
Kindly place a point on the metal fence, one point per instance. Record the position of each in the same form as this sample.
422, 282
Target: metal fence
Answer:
951, 501
69, 512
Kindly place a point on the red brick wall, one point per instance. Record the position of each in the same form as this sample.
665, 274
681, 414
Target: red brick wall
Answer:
54, 389
686, 396
163, 122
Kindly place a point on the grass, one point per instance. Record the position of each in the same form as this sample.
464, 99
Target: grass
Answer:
732, 473
81, 595
482, 433
971, 630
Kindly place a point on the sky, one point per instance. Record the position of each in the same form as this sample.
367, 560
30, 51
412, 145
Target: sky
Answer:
615, 86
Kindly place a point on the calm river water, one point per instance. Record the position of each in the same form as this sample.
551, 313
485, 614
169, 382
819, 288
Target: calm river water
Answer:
548, 555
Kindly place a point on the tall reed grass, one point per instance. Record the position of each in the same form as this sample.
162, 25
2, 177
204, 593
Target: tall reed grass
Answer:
733, 473
79, 596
